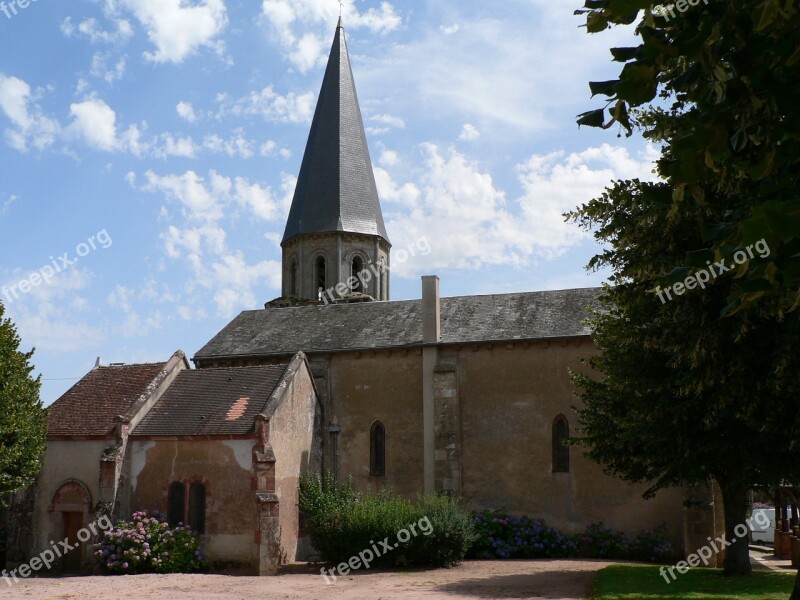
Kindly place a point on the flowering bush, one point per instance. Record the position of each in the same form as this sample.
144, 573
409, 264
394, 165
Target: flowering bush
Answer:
503, 536
601, 542
147, 544
652, 545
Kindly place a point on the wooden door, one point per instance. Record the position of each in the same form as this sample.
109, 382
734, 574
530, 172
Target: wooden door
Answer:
73, 523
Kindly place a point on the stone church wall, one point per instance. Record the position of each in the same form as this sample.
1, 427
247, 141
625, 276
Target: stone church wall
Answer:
509, 399
379, 386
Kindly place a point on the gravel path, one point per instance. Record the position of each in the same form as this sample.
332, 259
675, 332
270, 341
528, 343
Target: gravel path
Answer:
473, 579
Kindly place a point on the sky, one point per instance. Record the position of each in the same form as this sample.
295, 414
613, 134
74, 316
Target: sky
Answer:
150, 150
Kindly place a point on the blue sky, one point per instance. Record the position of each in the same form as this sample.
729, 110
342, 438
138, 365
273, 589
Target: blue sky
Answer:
158, 143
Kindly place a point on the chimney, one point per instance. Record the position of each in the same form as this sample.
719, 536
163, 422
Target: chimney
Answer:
98, 362
431, 313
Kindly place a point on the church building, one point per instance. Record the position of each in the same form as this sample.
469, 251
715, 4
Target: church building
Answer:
469, 396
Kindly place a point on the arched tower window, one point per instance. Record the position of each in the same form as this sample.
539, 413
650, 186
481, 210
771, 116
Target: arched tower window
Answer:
293, 278
176, 503
197, 507
356, 267
320, 273
377, 449
560, 447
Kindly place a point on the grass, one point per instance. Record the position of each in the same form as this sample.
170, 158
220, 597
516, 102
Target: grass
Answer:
644, 582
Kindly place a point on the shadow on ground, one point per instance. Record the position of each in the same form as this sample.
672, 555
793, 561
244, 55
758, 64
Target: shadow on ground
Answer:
546, 584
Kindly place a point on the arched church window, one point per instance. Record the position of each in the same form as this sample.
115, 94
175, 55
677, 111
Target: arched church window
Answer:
293, 279
560, 447
197, 507
377, 449
356, 268
176, 503
321, 273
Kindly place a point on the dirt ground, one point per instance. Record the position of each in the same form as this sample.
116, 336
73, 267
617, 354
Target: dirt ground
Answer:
473, 579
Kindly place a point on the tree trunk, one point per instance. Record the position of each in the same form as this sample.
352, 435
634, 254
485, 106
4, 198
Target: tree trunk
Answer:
796, 591
737, 554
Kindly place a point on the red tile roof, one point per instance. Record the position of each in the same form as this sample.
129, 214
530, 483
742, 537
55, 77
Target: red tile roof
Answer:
89, 407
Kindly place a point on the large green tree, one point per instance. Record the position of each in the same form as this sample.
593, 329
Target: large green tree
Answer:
23, 426
678, 394
717, 84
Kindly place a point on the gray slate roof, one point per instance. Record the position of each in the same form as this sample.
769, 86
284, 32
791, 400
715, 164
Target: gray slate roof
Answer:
319, 328
336, 188
212, 402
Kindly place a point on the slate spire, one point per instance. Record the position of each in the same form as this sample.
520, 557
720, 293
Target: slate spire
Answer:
336, 189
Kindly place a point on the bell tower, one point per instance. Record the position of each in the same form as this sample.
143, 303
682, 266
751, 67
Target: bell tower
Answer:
335, 241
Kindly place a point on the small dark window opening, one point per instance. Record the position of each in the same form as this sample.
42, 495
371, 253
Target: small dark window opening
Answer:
377, 449
560, 447
321, 274
357, 268
177, 503
197, 507
293, 279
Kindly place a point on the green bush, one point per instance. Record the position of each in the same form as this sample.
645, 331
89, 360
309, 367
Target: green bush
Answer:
146, 544
652, 545
343, 523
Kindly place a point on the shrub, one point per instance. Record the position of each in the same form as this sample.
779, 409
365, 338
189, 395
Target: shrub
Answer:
601, 542
146, 544
343, 523
502, 536
652, 545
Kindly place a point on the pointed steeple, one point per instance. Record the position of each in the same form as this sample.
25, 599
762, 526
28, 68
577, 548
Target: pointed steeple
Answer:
336, 189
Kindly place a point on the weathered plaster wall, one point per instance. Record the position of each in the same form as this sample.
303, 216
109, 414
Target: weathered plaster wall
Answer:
65, 460
293, 440
224, 467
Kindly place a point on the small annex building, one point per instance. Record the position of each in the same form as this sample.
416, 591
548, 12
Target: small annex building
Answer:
202, 447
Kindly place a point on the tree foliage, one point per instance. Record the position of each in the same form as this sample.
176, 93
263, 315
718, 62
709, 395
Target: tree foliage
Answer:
683, 395
717, 83
23, 426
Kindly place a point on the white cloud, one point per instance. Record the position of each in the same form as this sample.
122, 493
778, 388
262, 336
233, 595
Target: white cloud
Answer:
449, 29
201, 240
237, 145
291, 21
101, 69
177, 28
389, 158
186, 111
4, 208
30, 127
89, 29
498, 71
389, 120
493, 230
469, 132
270, 105
95, 122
